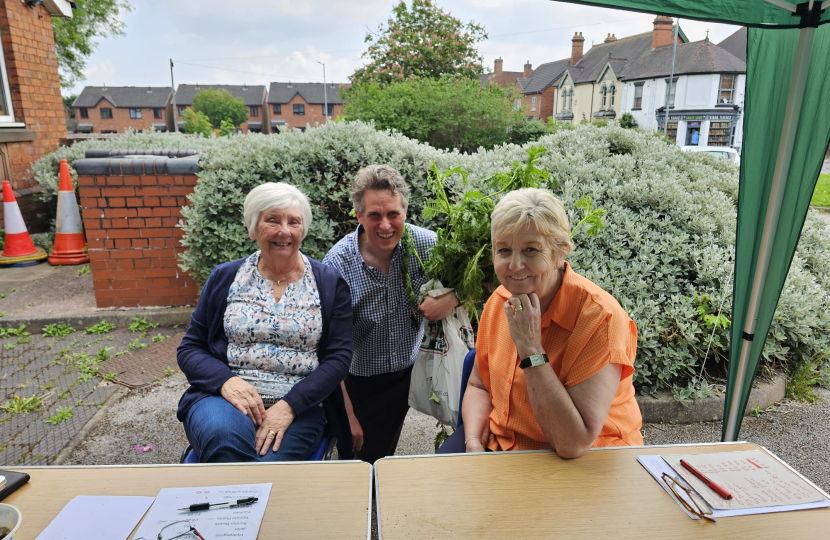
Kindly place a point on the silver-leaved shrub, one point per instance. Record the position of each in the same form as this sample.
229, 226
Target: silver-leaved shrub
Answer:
666, 254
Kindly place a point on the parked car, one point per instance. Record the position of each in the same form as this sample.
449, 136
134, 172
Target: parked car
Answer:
721, 152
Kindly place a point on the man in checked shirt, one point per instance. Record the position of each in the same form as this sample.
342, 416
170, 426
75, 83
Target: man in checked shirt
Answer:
387, 325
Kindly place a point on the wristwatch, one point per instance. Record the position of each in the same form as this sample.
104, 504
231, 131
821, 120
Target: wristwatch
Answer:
533, 360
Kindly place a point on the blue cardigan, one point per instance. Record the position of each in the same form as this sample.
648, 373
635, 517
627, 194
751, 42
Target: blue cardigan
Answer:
203, 353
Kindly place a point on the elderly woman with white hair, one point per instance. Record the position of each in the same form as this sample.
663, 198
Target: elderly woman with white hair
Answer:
268, 344
554, 352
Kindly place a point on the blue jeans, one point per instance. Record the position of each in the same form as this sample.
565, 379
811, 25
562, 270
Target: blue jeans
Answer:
219, 433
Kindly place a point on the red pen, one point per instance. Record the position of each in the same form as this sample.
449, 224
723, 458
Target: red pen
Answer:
716, 488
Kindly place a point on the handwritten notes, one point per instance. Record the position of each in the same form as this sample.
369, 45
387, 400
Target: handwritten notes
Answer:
754, 479
241, 523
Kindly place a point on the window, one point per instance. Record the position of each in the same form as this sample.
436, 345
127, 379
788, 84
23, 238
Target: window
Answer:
571, 100
613, 93
254, 111
83, 112
108, 131
135, 113
330, 111
672, 91
6, 109
638, 96
564, 100
157, 112
727, 89
182, 109
299, 109
106, 112
533, 103
603, 92
277, 108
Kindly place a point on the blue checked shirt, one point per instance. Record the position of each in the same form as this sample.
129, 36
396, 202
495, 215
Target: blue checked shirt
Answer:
386, 338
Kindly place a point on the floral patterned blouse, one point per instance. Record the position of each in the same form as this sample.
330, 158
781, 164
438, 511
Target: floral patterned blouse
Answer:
272, 345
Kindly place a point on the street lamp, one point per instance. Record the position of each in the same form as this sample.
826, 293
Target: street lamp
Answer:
325, 94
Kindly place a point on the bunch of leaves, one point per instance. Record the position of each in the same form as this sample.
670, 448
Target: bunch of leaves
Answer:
103, 354
33, 403
59, 330
197, 123
82, 271
63, 413
220, 106
140, 324
227, 128
159, 338
136, 344
14, 332
102, 327
421, 41
695, 389
800, 382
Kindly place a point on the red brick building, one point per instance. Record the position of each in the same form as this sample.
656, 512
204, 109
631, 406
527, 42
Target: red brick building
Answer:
114, 109
253, 96
499, 77
31, 110
295, 105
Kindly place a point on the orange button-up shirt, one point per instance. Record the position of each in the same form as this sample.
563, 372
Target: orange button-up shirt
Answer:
583, 330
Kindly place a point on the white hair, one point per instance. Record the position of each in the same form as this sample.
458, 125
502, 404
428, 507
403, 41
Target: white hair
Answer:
272, 196
518, 209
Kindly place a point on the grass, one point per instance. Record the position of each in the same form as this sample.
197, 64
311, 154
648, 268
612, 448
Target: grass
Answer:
801, 381
23, 405
821, 196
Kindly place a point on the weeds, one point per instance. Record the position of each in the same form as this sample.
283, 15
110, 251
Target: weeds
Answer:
800, 382
60, 330
169, 371
135, 345
64, 413
23, 405
24, 384
159, 338
14, 332
82, 271
109, 377
103, 354
102, 327
140, 324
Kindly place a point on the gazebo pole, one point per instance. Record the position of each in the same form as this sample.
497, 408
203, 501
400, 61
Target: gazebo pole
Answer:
779, 182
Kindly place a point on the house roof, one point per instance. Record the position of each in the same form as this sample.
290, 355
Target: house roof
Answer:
620, 53
736, 44
543, 76
312, 93
696, 57
125, 96
505, 79
251, 94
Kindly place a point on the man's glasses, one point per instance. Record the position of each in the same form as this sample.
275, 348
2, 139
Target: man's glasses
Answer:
684, 493
178, 529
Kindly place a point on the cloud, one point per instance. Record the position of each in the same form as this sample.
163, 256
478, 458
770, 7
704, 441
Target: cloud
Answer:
294, 7
100, 73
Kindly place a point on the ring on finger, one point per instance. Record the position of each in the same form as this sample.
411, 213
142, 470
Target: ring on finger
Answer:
516, 307
272, 433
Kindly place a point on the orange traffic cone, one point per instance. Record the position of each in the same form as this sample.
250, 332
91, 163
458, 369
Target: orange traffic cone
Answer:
70, 244
18, 249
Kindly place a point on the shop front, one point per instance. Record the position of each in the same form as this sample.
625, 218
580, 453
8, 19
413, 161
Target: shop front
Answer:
700, 128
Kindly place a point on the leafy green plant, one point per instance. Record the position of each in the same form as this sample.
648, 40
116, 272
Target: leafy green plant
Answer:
196, 123
694, 390
63, 413
627, 121
14, 332
441, 436
82, 271
102, 327
140, 324
169, 371
103, 354
136, 344
109, 377
801, 380
59, 330
23, 405
159, 338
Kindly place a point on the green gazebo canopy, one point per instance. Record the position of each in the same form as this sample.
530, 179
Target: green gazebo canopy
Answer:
786, 133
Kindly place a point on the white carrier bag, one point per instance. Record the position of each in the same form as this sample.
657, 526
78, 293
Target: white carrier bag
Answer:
436, 375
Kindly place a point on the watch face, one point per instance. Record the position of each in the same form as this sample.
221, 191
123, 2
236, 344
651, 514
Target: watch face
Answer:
536, 359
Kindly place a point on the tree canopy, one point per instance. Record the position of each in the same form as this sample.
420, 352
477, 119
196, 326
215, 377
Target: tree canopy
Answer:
446, 113
75, 37
220, 105
421, 41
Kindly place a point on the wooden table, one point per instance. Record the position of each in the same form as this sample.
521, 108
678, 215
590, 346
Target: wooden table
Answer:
604, 494
328, 499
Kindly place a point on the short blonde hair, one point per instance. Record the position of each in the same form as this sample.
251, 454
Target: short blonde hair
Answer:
272, 196
520, 208
380, 177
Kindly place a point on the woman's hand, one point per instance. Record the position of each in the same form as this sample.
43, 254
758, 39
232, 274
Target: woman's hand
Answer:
357, 431
479, 443
245, 398
524, 319
273, 427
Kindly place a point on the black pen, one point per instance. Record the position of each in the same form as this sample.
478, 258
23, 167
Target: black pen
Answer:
212, 506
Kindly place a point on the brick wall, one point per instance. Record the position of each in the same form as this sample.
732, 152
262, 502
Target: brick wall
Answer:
314, 114
130, 221
120, 120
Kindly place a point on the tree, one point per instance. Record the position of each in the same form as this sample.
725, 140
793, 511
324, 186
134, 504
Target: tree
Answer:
75, 38
446, 113
226, 128
197, 122
220, 105
68, 101
421, 41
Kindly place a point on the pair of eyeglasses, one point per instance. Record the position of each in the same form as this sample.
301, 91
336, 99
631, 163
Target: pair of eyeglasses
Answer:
177, 529
684, 493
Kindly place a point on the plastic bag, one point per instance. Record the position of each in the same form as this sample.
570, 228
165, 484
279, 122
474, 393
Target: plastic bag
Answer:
436, 376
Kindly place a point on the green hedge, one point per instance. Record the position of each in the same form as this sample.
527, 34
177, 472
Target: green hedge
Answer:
666, 253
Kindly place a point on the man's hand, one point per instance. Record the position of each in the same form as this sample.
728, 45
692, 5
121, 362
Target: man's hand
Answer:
357, 432
245, 398
440, 307
274, 426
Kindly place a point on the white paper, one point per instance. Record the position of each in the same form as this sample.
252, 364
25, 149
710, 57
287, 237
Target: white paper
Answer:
237, 523
656, 466
97, 518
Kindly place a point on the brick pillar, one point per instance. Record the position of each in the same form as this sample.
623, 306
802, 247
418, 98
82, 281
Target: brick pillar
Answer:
130, 207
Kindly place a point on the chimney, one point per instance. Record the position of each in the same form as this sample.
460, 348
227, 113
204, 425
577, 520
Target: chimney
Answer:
528, 69
497, 65
576, 47
610, 38
661, 35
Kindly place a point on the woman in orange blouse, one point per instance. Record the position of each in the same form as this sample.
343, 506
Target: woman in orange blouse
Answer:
555, 353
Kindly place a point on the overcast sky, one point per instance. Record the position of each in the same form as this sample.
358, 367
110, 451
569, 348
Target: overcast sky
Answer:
262, 41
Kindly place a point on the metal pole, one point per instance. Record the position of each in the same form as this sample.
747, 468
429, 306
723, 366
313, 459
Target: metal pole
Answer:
175, 111
779, 182
325, 93
671, 81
